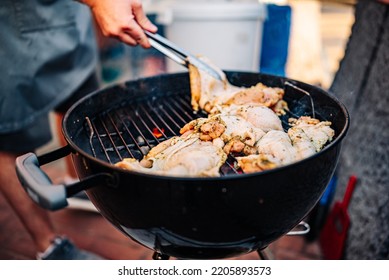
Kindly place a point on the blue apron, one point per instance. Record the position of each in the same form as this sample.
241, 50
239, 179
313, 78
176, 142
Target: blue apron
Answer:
47, 50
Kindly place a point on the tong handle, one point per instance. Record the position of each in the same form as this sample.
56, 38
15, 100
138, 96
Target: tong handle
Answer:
179, 55
166, 43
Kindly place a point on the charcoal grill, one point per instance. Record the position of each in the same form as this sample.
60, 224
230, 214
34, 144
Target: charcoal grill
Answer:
197, 218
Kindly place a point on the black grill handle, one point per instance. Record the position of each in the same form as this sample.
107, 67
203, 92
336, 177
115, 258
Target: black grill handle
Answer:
39, 187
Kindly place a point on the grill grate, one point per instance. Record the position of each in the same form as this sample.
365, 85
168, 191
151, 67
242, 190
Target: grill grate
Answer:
131, 130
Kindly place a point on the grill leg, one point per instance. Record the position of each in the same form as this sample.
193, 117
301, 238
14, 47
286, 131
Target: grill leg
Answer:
265, 254
262, 255
158, 256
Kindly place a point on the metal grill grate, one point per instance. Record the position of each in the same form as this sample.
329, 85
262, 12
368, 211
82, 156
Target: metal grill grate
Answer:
133, 129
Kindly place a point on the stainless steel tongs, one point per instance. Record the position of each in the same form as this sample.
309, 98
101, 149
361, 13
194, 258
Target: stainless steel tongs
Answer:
179, 55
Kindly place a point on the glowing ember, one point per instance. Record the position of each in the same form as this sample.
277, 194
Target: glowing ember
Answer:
157, 132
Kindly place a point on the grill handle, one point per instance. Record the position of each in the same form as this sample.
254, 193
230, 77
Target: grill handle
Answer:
305, 228
39, 187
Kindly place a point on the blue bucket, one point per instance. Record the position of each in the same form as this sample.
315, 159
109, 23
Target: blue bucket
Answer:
275, 41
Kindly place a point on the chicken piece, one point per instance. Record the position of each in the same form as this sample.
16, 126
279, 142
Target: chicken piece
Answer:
259, 116
258, 94
205, 89
278, 145
257, 163
274, 149
209, 128
239, 128
231, 129
208, 92
280, 108
130, 164
306, 137
182, 156
309, 135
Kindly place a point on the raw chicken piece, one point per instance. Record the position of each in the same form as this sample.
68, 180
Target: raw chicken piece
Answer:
180, 156
309, 135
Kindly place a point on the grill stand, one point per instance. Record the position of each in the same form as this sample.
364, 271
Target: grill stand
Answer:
160, 257
264, 254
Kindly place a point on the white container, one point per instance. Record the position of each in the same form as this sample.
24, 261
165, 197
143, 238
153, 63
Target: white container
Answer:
229, 33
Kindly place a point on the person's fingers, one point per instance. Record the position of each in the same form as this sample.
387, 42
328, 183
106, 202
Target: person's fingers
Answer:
134, 30
127, 39
141, 17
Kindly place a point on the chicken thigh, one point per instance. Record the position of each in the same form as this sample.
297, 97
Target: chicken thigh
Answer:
180, 156
208, 92
309, 135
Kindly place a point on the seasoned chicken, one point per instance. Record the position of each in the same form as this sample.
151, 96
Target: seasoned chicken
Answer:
274, 149
241, 120
208, 92
277, 144
234, 131
180, 156
306, 137
257, 163
258, 94
309, 135
258, 115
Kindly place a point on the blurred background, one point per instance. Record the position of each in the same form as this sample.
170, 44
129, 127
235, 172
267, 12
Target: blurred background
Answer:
301, 39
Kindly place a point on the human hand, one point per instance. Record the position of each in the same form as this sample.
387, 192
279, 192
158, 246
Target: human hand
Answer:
122, 19
384, 1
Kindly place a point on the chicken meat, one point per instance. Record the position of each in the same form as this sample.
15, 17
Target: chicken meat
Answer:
231, 132
309, 135
184, 156
208, 92
240, 120
258, 115
305, 137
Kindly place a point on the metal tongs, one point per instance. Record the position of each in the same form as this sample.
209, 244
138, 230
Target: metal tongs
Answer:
179, 55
